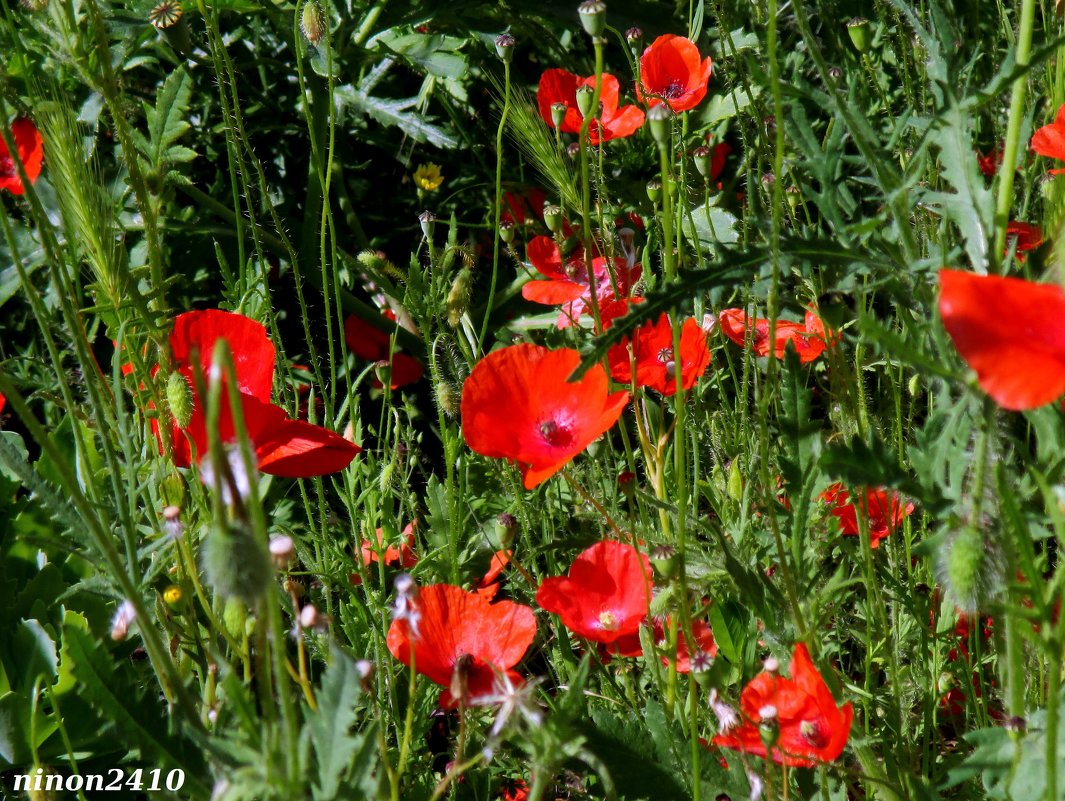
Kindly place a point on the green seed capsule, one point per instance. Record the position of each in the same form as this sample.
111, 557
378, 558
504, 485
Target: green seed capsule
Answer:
861, 35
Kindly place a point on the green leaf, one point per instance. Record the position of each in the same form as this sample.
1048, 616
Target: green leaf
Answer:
397, 113
166, 122
713, 226
330, 726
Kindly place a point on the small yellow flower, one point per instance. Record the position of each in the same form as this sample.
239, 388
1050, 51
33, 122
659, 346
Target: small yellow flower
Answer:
428, 177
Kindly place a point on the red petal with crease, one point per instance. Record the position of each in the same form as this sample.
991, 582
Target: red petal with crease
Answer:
551, 293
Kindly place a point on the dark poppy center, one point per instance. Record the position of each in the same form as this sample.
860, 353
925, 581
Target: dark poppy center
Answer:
7, 166
555, 434
814, 733
676, 88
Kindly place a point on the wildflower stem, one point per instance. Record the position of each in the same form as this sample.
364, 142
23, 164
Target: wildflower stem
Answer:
498, 205
1008, 168
586, 184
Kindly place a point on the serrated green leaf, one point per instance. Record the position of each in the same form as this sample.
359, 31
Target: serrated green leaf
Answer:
330, 726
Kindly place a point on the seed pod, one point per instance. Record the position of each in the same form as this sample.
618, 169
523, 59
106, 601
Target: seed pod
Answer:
505, 47
634, 36
312, 22
506, 231
861, 36
701, 157
654, 190
458, 299
593, 16
585, 96
427, 220
553, 218
558, 114
179, 398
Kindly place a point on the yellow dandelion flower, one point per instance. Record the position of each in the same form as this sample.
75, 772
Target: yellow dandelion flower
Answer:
428, 177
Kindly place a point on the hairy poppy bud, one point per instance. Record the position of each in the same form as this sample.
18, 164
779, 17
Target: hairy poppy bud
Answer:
505, 47
654, 190
235, 563
701, 157
585, 95
861, 36
506, 231
658, 117
312, 22
553, 218
458, 299
558, 114
179, 398
449, 398
967, 569
427, 220
593, 16
293, 587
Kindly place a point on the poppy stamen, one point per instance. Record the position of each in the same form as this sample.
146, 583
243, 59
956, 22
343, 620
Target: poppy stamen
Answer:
675, 89
813, 733
608, 621
555, 433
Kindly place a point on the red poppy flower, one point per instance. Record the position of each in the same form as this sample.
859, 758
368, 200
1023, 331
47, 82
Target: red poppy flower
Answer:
514, 790
394, 556
461, 632
671, 71
811, 728
3, 400
883, 507
606, 594
1028, 237
1010, 331
369, 342
569, 284
523, 208
808, 338
283, 447
988, 164
559, 86
1049, 140
652, 354
30, 147
704, 641
518, 404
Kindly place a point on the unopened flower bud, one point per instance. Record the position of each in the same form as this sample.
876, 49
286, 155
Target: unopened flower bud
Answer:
553, 218
294, 588
768, 179
558, 114
428, 222
458, 298
658, 117
506, 231
449, 398
627, 484
505, 47
593, 16
585, 95
654, 190
793, 195
312, 22
861, 36
701, 157
179, 399
282, 551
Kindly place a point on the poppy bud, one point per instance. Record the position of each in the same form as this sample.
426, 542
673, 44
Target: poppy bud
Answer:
235, 564
428, 222
179, 399
634, 36
553, 218
506, 231
967, 569
448, 397
505, 47
658, 117
558, 114
506, 528
654, 190
861, 37
174, 597
312, 22
282, 551
735, 481
458, 299
913, 385
701, 157
792, 195
585, 95
768, 179
593, 16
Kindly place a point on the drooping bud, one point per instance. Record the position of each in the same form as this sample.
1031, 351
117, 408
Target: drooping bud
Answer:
701, 157
593, 16
179, 399
585, 96
658, 118
553, 218
861, 36
654, 190
235, 563
312, 22
458, 298
505, 47
558, 114
427, 220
